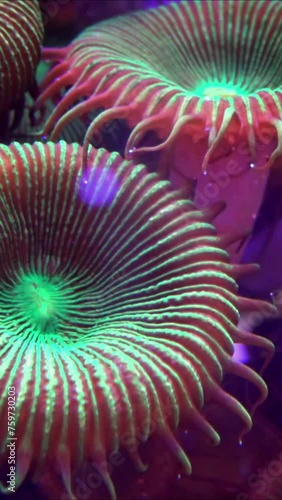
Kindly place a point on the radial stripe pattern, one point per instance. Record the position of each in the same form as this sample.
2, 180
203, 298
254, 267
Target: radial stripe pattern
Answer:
21, 35
118, 310
207, 68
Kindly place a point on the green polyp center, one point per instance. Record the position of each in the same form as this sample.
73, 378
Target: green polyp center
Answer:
219, 90
40, 301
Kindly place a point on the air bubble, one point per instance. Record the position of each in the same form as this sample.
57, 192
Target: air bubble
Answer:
276, 297
252, 165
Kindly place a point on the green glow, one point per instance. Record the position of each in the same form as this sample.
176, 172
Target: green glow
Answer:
38, 299
219, 90
227, 52
113, 314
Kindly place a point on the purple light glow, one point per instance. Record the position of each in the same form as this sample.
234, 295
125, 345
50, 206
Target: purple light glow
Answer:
156, 3
98, 188
241, 354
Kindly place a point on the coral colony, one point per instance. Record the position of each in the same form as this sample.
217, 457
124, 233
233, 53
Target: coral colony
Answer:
115, 311
198, 84
119, 299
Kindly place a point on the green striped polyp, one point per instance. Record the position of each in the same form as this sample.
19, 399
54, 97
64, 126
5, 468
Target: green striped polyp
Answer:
209, 69
21, 32
118, 310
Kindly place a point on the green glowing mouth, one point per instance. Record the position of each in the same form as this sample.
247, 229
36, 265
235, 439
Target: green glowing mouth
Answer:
219, 90
39, 300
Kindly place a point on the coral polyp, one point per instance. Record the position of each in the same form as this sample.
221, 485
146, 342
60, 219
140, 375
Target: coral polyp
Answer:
21, 32
119, 310
209, 69
196, 88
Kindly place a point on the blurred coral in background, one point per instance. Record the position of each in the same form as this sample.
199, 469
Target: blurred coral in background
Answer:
63, 19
